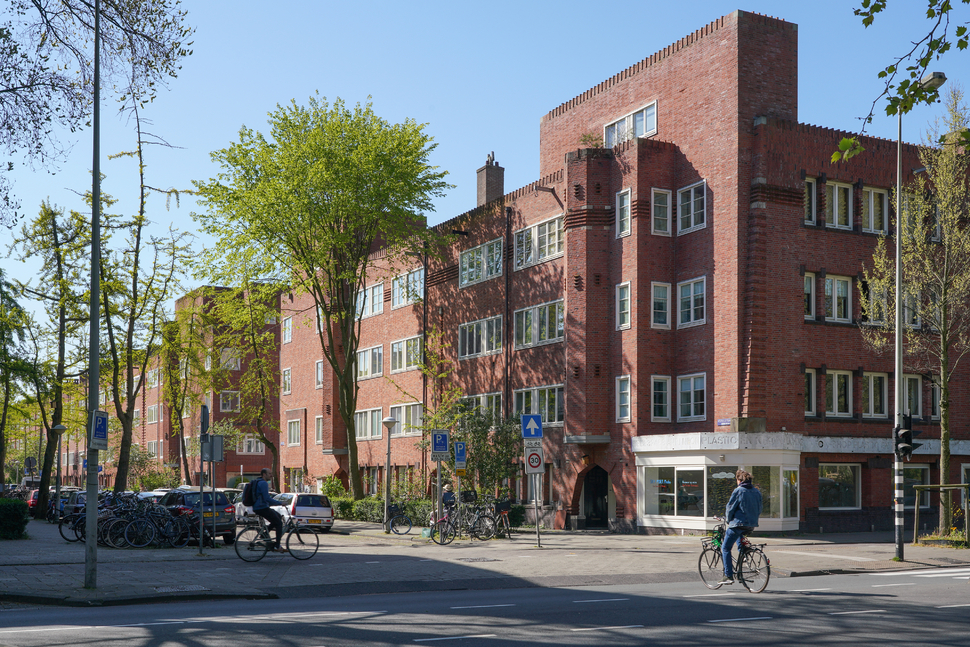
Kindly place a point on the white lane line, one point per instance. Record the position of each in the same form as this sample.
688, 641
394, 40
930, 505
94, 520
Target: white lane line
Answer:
607, 628
848, 557
923, 571
965, 577
807, 590
485, 606
151, 624
846, 613
603, 600
427, 640
31, 631
742, 619
945, 573
709, 595
953, 606
372, 562
879, 586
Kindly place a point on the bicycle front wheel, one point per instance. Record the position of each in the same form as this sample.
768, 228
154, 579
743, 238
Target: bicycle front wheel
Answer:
443, 532
754, 571
400, 525
302, 543
250, 546
66, 528
709, 567
484, 528
139, 533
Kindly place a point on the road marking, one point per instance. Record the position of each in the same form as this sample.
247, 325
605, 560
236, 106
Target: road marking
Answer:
603, 600
709, 595
151, 624
372, 562
742, 619
807, 590
845, 613
953, 606
31, 631
485, 606
607, 628
424, 640
923, 571
879, 586
848, 557
945, 573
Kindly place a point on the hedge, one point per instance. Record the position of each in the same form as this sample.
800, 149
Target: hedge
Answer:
372, 509
13, 519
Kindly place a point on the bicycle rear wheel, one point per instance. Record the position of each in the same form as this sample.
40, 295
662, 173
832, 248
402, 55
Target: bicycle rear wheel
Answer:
443, 532
179, 537
754, 570
484, 528
66, 528
139, 533
250, 546
709, 567
302, 543
400, 525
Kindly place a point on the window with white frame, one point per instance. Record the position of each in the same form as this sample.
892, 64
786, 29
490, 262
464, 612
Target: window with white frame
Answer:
809, 281
660, 201
249, 444
409, 419
482, 337
319, 374
186, 407
152, 448
370, 362
407, 288
660, 390
368, 424
935, 400
207, 362
370, 301
915, 475
810, 201
229, 401
137, 416
641, 123
838, 205
913, 395
692, 397
406, 354
318, 430
875, 207
229, 359
911, 310
839, 486
480, 263
540, 324
623, 213
539, 242
692, 302
151, 414
136, 380
661, 305
287, 380
838, 299
810, 391
154, 378
875, 305
292, 433
838, 393
547, 401
623, 398
692, 207
874, 395
487, 403
623, 306
287, 330
183, 369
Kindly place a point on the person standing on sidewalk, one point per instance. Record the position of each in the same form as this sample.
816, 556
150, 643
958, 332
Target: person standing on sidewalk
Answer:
261, 506
741, 517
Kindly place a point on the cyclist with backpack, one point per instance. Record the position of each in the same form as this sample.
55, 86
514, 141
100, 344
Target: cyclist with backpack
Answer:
256, 493
741, 517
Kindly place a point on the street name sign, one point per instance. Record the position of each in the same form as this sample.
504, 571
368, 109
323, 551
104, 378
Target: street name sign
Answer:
532, 426
460, 456
532, 442
99, 432
439, 445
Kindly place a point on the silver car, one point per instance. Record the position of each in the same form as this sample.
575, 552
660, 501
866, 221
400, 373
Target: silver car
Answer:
313, 510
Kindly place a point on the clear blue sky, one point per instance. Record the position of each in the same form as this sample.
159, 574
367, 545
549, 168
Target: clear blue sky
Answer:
479, 74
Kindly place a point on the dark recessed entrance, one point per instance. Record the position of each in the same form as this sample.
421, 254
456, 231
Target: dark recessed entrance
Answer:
596, 501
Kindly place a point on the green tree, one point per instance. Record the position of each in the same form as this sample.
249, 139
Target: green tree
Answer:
935, 271
307, 207
15, 365
493, 444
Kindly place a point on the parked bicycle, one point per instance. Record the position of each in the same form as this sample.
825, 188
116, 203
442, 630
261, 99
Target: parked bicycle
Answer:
254, 541
752, 567
400, 522
475, 520
502, 525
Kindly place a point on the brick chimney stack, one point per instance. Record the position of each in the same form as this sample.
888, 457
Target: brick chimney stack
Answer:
491, 181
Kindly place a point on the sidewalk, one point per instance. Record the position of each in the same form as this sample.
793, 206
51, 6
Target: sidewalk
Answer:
358, 558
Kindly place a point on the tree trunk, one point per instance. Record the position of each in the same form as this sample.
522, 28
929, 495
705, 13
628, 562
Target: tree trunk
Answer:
946, 508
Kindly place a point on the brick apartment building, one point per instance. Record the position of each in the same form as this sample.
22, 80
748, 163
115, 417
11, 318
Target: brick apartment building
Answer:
678, 303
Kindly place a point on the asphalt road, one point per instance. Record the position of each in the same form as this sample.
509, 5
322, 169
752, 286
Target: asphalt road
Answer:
920, 607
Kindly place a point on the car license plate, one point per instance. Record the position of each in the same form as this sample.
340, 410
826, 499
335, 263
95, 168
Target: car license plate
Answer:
313, 521
206, 514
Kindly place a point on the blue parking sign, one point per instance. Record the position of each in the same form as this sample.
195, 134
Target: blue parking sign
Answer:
532, 426
439, 445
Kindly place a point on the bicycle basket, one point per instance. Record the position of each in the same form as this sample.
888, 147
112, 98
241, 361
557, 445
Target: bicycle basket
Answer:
503, 506
393, 510
468, 496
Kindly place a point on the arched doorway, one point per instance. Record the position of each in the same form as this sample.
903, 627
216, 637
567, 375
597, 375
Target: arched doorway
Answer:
596, 497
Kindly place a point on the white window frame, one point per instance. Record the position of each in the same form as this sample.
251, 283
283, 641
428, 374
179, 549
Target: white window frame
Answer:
370, 302
870, 197
832, 379
936, 393
286, 381
624, 311
811, 201
811, 398
624, 211
404, 357
249, 444
808, 288
230, 359
831, 299
877, 307
226, 402
136, 416
484, 334
367, 360
528, 249
692, 379
481, 263
533, 314
868, 381
152, 448
623, 399
654, 381
664, 208
695, 221
832, 215
692, 309
625, 128
489, 403
559, 392
858, 485
407, 288
410, 419
151, 414
287, 327
910, 314
654, 301
154, 378
318, 373
293, 432
318, 430
909, 381
372, 419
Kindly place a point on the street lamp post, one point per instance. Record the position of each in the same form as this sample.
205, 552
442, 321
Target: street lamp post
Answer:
388, 423
931, 81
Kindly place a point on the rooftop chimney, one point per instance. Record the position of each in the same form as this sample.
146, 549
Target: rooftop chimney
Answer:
491, 181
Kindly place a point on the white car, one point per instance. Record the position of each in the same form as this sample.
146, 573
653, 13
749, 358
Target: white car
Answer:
245, 512
313, 510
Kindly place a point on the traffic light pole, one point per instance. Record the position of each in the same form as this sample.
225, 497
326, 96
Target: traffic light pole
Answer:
898, 462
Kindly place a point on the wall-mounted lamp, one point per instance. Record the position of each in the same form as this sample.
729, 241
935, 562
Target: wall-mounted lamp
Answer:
586, 459
721, 457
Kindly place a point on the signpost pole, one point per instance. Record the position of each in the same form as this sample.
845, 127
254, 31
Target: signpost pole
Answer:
536, 488
438, 471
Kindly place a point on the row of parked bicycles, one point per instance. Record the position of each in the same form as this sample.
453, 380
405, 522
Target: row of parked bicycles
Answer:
467, 516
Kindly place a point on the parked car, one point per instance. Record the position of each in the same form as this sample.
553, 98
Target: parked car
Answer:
312, 510
185, 500
154, 496
245, 512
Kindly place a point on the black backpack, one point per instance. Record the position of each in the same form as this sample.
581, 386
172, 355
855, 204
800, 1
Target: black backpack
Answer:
249, 494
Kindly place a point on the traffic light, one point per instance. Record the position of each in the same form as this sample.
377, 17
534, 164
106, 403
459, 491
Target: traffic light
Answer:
903, 439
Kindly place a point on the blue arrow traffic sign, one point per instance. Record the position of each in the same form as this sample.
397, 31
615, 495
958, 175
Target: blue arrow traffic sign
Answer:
532, 426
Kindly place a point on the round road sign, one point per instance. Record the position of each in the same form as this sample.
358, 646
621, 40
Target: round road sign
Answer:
535, 460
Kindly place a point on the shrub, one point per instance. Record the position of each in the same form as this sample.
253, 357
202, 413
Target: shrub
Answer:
333, 488
13, 519
369, 509
343, 507
517, 515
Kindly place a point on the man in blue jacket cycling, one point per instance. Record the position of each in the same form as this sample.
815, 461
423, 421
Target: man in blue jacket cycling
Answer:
261, 506
741, 517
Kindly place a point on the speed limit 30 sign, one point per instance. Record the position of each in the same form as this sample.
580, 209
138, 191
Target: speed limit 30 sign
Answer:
534, 462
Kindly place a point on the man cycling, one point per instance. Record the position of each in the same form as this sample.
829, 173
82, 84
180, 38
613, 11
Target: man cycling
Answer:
261, 506
741, 517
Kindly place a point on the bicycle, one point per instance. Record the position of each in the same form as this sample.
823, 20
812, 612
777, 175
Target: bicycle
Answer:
399, 523
752, 567
253, 542
443, 530
502, 524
